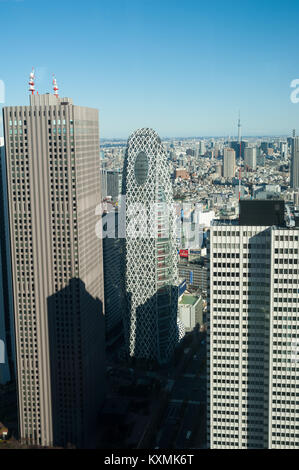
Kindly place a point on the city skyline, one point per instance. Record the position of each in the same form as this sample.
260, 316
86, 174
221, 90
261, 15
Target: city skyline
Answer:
149, 227
182, 69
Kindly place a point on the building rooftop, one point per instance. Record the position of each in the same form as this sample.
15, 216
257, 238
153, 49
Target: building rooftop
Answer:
188, 300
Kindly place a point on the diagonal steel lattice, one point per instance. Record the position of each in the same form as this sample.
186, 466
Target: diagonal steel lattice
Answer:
152, 329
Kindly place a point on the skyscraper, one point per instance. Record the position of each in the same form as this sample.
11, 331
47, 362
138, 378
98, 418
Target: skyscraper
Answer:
250, 157
253, 337
53, 174
202, 148
103, 183
294, 180
7, 368
229, 163
151, 278
113, 177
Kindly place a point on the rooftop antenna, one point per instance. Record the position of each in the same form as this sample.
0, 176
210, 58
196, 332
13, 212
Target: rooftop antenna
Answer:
31, 81
55, 87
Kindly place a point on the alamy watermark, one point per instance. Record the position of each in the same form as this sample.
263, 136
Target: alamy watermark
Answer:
294, 97
157, 220
295, 351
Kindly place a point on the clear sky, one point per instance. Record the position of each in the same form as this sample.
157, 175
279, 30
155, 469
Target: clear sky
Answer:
183, 67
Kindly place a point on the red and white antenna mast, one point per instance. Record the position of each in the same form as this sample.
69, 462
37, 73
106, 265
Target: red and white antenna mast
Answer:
31, 81
55, 87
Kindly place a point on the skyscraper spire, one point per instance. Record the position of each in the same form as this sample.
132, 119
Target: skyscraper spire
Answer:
239, 128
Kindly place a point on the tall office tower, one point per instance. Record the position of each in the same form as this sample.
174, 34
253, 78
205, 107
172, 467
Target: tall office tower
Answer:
202, 148
294, 180
7, 363
103, 183
151, 278
283, 146
113, 177
260, 158
52, 155
265, 146
229, 163
253, 337
250, 157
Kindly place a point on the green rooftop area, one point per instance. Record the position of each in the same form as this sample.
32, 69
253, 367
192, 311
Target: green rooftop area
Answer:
188, 300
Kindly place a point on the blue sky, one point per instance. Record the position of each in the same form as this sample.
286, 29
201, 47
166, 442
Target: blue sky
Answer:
183, 67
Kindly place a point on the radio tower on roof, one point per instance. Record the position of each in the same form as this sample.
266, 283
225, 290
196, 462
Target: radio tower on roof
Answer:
55, 87
31, 81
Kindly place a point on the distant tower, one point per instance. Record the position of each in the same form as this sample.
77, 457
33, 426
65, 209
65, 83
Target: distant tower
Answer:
31, 81
239, 130
294, 133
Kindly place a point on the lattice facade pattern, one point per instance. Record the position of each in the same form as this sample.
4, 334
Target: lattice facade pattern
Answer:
150, 255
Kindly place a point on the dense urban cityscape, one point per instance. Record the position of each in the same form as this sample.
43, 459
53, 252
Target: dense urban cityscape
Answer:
149, 293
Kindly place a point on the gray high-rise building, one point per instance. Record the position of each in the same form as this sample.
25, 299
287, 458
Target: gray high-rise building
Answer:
202, 148
294, 180
229, 163
103, 183
253, 353
53, 174
250, 157
113, 177
260, 157
151, 275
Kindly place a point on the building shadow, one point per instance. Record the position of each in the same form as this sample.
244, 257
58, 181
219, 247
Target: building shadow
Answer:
257, 376
113, 279
155, 329
77, 362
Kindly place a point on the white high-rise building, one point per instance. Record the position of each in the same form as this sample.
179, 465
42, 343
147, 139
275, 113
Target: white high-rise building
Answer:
151, 276
202, 148
253, 337
229, 163
283, 150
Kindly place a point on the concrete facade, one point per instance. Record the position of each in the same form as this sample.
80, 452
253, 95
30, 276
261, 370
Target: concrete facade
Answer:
252, 337
52, 155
